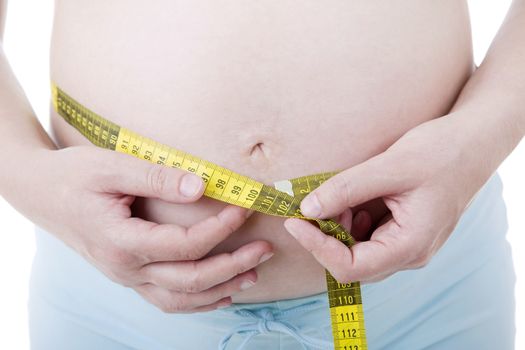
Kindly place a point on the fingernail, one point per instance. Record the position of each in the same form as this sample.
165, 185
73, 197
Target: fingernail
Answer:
265, 257
310, 206
249, 213
247, 284
190, 184
224, 305
289, 227
358, 221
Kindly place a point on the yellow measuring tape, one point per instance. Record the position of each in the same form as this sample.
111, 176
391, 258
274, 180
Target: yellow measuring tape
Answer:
346, 308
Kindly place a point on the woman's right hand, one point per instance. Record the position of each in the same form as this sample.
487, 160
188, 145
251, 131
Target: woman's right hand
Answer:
83, 195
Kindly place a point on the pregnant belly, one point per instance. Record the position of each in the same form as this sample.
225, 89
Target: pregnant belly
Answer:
268, 149
271, 97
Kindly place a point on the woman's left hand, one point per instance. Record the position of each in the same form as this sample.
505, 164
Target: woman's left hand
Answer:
426, 179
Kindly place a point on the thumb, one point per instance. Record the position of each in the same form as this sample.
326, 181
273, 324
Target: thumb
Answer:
371, 179
122, 173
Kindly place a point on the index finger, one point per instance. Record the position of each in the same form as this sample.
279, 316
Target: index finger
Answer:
121, 173
385, 253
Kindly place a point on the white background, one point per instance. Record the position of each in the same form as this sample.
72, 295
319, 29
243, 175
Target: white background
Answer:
27, 44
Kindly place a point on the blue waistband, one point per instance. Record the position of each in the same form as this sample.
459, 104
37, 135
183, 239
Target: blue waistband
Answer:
272, 317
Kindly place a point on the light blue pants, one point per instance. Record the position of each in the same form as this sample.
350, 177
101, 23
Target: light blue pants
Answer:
463, 299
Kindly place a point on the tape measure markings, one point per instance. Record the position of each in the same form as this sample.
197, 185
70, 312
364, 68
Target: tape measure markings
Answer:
225, 185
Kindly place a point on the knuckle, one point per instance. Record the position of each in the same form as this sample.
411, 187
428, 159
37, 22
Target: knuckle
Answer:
421, 258
240, 265
105, 165
175, 305
194, 281
119, 257
339, 188
226, 225
119, 277
157, 177
318, 247
416, 252
192, 252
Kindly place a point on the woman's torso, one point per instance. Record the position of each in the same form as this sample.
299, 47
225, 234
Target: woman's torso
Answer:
271, 90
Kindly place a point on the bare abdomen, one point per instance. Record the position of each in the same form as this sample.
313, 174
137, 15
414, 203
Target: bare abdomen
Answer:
272, 90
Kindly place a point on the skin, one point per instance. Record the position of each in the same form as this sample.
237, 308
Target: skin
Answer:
188, 253
429, 176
